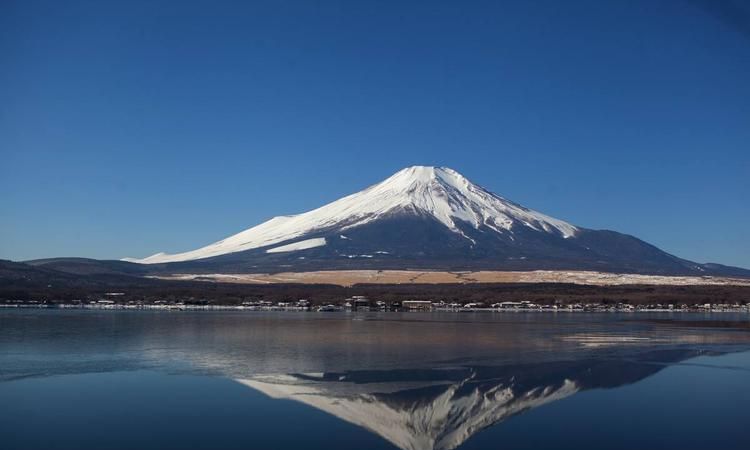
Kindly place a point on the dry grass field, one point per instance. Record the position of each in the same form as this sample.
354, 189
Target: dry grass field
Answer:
353, 277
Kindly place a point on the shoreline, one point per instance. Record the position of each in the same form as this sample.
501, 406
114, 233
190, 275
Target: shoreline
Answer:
590, 308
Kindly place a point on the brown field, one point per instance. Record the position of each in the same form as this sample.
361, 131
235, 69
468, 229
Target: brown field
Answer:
353, 277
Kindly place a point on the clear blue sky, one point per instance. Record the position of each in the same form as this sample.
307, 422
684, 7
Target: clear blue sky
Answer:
133, 127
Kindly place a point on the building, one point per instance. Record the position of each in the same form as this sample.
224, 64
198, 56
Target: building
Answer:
416, 304
359, 302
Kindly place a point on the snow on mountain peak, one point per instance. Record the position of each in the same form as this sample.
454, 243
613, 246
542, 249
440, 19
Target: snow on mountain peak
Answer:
447, 195
439, 192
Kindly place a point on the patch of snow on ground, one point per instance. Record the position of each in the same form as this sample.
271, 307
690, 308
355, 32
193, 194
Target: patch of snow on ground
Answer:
301, 245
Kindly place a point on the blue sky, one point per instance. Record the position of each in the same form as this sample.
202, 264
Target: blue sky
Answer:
133, 127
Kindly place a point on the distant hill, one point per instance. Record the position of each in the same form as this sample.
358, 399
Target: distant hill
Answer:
87, 266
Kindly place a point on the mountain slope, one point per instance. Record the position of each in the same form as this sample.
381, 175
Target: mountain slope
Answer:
440, 193
428, 218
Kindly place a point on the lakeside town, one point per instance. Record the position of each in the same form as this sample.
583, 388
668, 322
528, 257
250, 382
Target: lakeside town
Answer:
364, 303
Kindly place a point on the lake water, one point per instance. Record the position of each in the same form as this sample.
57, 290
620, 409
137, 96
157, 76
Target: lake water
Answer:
275, 380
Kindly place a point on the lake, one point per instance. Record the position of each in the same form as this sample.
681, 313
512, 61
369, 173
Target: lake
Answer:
88, 379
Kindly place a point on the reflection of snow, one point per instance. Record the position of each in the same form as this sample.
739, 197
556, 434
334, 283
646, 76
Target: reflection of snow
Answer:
443, 419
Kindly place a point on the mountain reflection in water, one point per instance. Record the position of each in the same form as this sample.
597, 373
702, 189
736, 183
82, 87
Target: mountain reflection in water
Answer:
442, 408
417, 381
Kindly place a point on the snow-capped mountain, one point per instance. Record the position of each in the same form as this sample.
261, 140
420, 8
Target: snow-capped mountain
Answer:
437, 192
424, 217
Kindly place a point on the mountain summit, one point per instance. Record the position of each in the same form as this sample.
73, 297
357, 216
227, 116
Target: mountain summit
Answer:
429, 218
